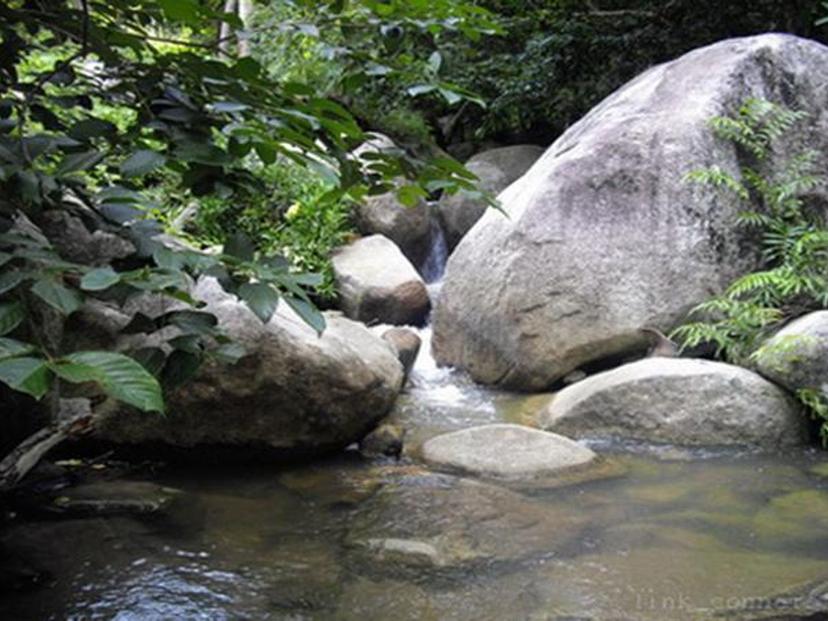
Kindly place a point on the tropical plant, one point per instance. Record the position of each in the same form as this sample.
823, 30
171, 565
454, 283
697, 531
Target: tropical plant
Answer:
794, 242
102, 104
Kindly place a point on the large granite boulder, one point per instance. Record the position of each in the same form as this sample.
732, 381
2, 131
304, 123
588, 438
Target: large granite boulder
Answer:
294, 392
603, 235
797, 356
377, 284
681, 401
497, 169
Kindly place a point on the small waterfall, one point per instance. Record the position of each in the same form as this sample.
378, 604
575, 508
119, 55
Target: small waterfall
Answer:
435, 263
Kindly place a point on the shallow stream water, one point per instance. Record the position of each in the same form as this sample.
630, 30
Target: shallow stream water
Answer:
675, 534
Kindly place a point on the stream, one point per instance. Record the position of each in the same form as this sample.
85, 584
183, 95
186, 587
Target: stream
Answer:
678, 534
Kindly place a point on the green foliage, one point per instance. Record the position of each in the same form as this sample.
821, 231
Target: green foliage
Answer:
116, 113
560, 58
794, 243
298, 216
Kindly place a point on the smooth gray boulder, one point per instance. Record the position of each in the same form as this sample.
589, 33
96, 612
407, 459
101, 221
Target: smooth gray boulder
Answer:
408, 227
503, 451
377, 284
603, 236
797, 356
497, 169
294, 392
681, 401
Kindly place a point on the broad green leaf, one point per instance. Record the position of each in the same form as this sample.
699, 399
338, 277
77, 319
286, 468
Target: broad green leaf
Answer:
120, 376
151, 358
142, 162
181, 366
79, 161
11, 348
195, 322
229, 353
309, 280
29, 375
410, 195
11, 315
308, 312
421, 89
9, 280
91, 128
168, 259
187, 11
229, 106
434, 62
262, 299
99, 279
61, 298
240, 246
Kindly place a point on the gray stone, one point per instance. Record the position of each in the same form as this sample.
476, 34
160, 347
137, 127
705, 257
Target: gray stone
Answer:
440, 523
681, 401
408, 227
377, 284
75, 242
293, 391
797, 356
385, 440
406, 343
497, 169
505, 452
603, 235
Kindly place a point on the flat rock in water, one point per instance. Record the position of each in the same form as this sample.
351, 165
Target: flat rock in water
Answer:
505, 452
680, 401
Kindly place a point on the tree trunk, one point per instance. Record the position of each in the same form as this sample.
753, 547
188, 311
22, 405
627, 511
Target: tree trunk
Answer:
245, 9
224, 30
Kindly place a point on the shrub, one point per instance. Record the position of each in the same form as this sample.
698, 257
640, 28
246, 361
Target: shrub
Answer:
794, 243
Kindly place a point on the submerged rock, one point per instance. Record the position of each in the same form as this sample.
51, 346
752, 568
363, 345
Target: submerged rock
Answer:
293, 392
377, 284
797, 356
511, 452
681, 401
116, 498
497, 169
437, 524
386, 440
603, 235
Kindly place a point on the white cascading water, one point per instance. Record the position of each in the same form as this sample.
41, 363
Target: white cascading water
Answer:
435, 263
442, 395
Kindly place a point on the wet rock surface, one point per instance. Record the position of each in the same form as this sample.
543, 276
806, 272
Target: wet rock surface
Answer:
441, 523
681, 401
508, 452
